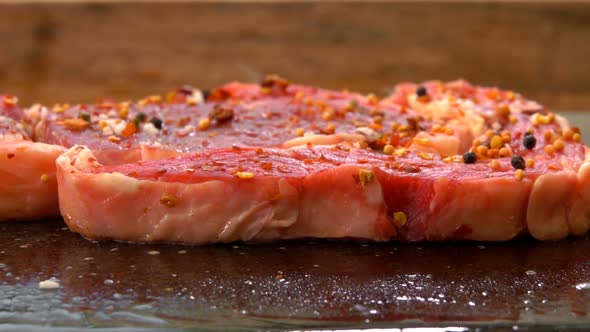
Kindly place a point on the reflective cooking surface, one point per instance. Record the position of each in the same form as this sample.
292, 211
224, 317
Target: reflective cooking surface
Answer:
306, 284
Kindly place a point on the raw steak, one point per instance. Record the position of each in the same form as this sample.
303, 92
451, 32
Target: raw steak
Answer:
524, 171
28, 185
274, 114
324, 191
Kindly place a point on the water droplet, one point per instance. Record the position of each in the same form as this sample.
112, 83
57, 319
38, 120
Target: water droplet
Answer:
88, 258
481, 247
153, 252
2, 265
530, 273
108, 282
583, 286
182, 252
471, 304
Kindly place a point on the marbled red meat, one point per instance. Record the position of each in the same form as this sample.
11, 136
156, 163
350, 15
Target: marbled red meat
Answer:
433, 161
28, 186
245, 115
224, 195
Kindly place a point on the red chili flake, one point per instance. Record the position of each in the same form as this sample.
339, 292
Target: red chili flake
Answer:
221, 114
10, 155
129, 130
185, 90
169, 200
267, 166
271, 81
218, 95
10, 101
184, 121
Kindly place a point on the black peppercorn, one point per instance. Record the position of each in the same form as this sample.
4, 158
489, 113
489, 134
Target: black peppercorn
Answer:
421, 91
518, 162
84, 116
529, 141
469, 157
156, 122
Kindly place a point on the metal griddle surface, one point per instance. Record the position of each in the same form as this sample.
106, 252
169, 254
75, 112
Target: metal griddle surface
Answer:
303, 284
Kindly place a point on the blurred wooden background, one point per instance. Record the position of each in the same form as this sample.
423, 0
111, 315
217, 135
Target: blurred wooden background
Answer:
76, 52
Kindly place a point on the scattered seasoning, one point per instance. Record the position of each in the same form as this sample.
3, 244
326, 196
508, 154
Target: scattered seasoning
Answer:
169, 200
270, 81
469, 158
496, 142
84, 116
400, 219
567, 134
388, 149
576, 137
157, 122
372, 99
76, 124
530, 163
549, 149
503, 111
129, 130
518, 162
421, 91
519, 174
482, 150
529, 141
558, 145
504, 152
495, 165
44, 177
245, 175
10, 155
204, 123
267, 166
330, 129
299, 132
185, 90
366, 176
493, 153
206, 93
124, 110
139, 118
548, 135
10, 101
221, 114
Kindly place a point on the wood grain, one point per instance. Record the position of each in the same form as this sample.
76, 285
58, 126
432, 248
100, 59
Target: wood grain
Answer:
76, 52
